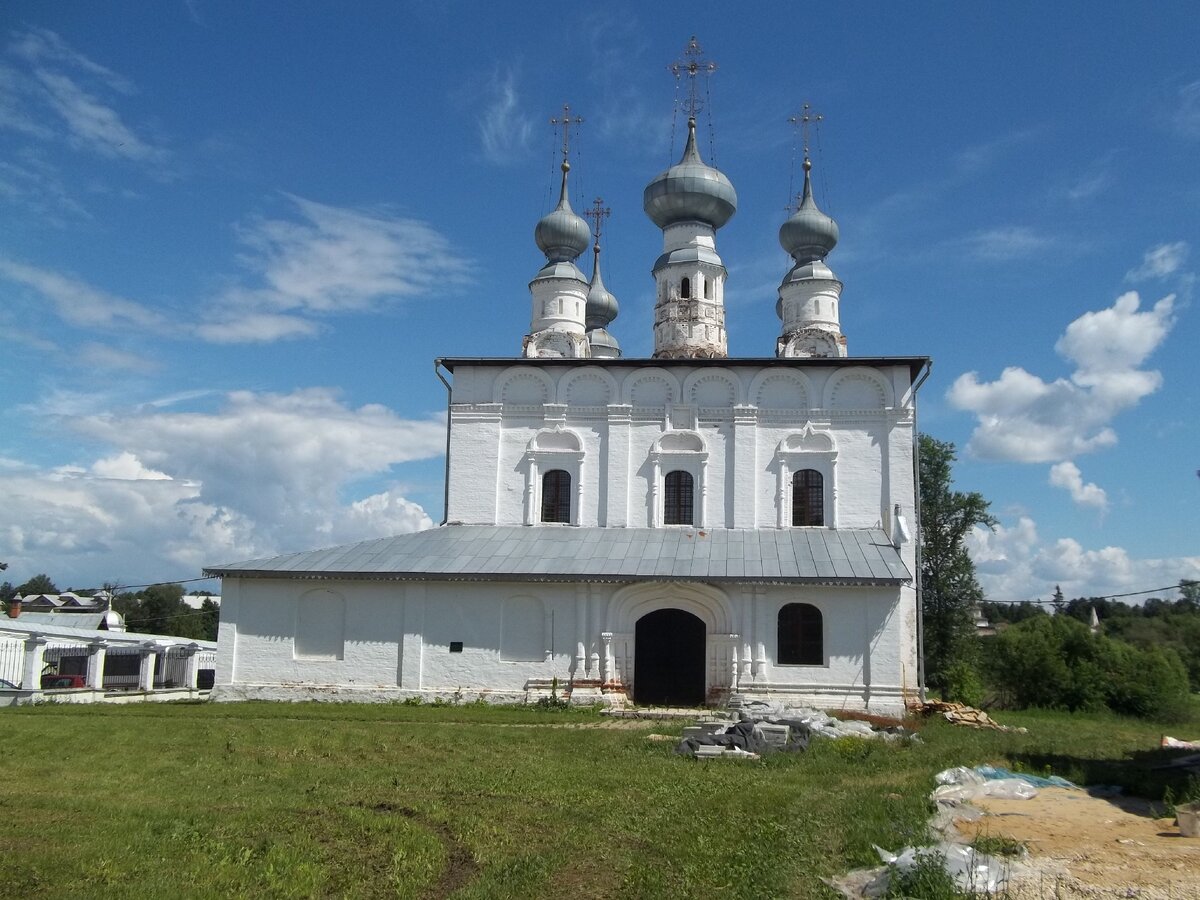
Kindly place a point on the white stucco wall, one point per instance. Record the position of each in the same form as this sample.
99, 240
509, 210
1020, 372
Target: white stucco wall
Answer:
742, 414
398, 637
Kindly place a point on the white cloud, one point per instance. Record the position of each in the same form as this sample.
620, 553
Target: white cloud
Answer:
264, 474
1022, 418
103, 358
41, 46
126, 467
1066, 475
504, 129
1014, 564
254, 328
1160, 262
92, 124
1007, 243
60, 81
1186, 117
1091, 181
81, 304
329, 260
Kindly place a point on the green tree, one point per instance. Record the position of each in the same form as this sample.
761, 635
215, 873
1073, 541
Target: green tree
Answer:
159, 609
1056, 662
209, 618
1059, 602
38, 584
1189, 594
948, 584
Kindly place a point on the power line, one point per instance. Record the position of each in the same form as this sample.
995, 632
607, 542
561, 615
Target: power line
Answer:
1169, 587
126, 587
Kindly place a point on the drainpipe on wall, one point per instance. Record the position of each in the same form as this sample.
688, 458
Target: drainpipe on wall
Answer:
437, 369
919, 536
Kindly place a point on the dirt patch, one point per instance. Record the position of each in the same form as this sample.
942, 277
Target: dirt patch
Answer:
1082, 846
461, 867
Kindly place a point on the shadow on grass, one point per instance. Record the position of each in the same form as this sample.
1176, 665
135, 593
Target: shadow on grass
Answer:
1149, 774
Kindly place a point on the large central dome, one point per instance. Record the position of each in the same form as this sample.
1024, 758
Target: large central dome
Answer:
690, 191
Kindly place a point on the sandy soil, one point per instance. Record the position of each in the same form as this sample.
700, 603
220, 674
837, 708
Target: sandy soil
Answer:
1090, 847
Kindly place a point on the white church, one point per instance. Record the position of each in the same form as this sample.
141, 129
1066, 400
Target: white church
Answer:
663, 531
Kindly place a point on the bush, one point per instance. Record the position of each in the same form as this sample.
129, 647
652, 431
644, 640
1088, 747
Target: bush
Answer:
1057, 663
961, 682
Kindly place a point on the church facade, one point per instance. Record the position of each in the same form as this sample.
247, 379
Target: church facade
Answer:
670, 530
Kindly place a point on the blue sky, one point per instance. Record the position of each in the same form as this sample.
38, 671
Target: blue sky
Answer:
233, 237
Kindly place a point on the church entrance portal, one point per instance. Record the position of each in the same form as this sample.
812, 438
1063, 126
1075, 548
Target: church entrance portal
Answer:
668, 662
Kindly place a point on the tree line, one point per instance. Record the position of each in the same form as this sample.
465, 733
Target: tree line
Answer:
1144, 659
156, 609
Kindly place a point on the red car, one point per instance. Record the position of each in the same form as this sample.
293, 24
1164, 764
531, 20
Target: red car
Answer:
63, 681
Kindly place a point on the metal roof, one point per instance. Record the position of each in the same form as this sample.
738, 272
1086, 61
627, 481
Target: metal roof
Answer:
564, 553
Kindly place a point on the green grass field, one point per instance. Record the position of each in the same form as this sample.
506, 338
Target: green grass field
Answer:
283, 800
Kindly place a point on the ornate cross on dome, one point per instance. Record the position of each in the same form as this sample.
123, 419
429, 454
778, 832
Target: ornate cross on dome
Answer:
801, 123
566, 122
692, 64
597, 213
803, 120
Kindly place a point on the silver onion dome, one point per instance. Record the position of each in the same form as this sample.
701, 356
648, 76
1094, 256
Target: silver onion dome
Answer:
561, 234
602, 306
809, 234
690, 190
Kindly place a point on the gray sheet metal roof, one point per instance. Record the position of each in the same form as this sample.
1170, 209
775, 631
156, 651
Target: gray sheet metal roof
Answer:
558, 553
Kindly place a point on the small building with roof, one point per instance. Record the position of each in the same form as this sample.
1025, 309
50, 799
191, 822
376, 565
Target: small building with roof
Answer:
670, 530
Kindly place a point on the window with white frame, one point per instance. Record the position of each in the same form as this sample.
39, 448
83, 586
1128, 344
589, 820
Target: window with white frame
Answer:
554, 477
679, 467
806, 495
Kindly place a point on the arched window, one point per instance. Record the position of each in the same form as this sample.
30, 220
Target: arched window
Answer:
707, 288
801, 641
556, 496
685, 288
677, 498
808, 498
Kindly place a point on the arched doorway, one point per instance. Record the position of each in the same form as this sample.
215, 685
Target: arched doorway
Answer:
668, 659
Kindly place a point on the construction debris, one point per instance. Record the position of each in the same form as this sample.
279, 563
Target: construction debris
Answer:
1171, 743
758, 728
961, 714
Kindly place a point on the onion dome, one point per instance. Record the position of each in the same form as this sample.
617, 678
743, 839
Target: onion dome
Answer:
809, 234
561, 234
603, 344
690, 191
602, 307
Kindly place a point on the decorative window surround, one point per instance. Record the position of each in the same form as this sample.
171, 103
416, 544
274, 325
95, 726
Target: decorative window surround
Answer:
553, 448
685, 451
807, 449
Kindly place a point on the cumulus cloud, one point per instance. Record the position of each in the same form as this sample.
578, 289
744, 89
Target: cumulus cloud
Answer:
1014, 563
328, 260
1023, 418
1066, 475
1160, 262
263, 474
504, 128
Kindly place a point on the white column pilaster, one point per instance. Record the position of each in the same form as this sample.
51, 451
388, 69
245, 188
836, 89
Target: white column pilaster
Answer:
97, 654
35, 658
146, 666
